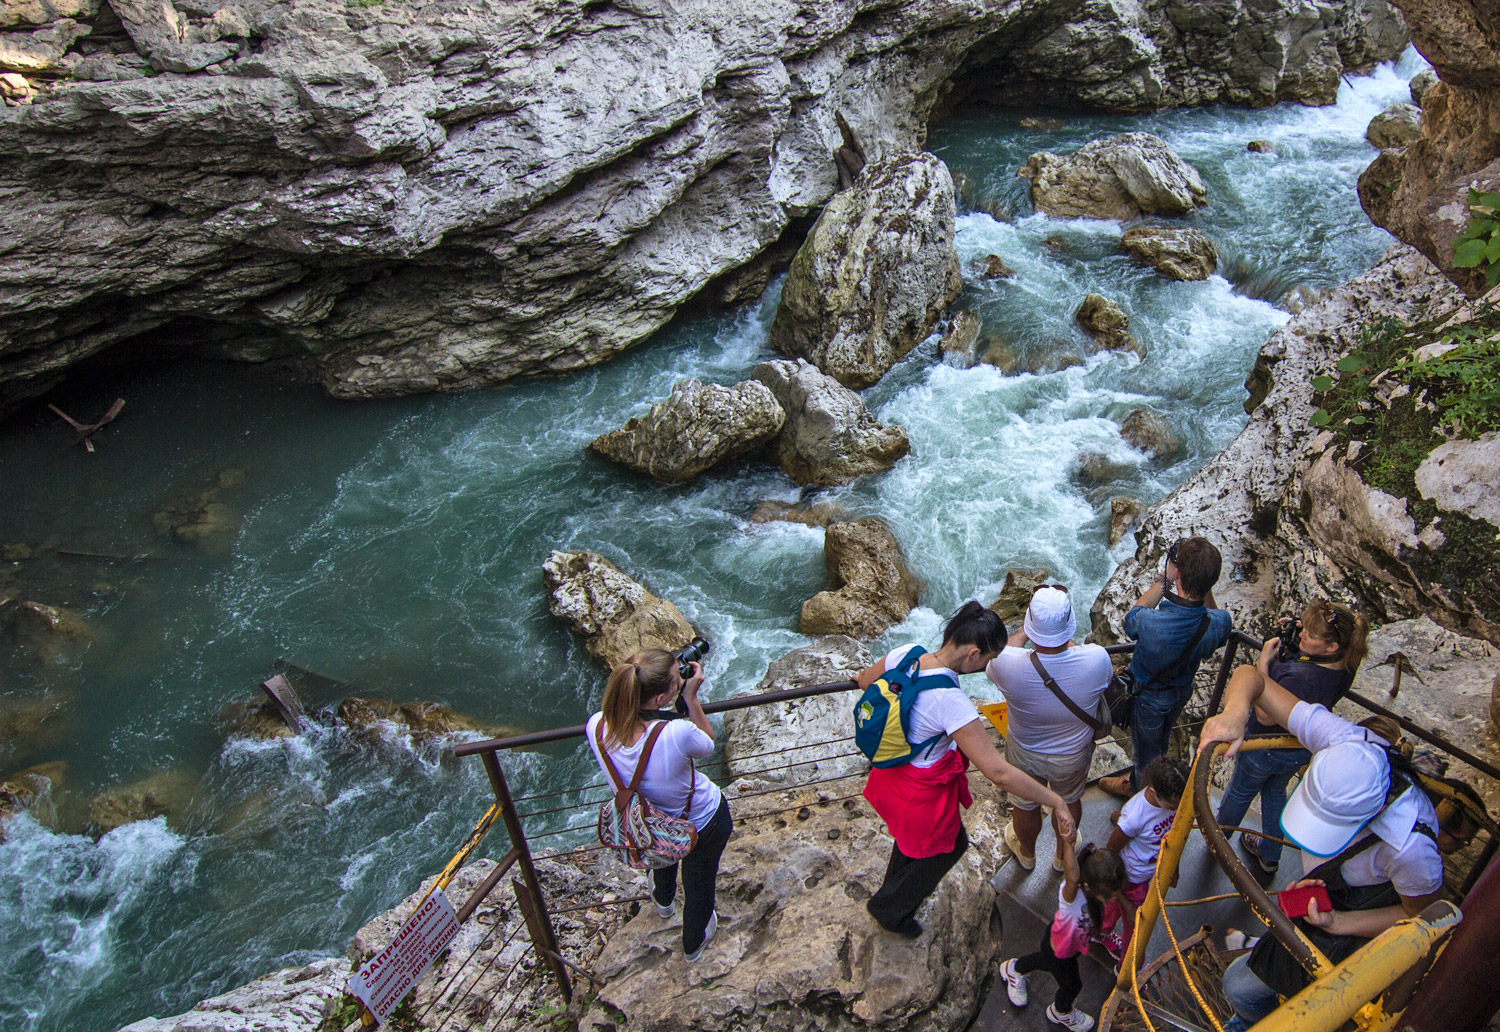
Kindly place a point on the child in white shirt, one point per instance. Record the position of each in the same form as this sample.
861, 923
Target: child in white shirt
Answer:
1139, 829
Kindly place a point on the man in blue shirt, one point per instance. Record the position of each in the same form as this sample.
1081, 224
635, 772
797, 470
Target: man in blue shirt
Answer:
1162, 622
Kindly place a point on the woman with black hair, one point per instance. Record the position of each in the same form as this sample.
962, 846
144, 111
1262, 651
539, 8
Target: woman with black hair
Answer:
920, 801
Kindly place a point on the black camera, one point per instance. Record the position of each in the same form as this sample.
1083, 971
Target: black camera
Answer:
692, 652
1172, 553
1291, 639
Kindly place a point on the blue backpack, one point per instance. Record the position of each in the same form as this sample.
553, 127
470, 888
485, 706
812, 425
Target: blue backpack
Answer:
882, 716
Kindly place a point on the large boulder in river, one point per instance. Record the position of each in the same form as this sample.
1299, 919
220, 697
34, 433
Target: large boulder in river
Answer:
829, 436
614, 614
1396, 126
1123, 177
874, 274
796, 950
379, 720
1107, 323
166, 794
695, 428
31, 791
870, 587
763, 740
1176, 252
1146, 431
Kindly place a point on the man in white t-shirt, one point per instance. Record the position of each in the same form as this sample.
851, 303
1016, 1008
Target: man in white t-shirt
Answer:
1046, 738
1372, 834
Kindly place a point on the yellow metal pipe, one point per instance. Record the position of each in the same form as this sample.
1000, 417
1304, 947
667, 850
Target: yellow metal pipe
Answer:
1334, 998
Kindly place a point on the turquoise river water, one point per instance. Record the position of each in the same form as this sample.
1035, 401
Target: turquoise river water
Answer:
397, 546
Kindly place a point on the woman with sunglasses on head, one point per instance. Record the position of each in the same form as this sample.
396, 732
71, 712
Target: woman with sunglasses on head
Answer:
1329, 646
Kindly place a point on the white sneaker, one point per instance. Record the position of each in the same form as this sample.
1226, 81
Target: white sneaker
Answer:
665, 912
1073, 1019
1015, 983
708, 935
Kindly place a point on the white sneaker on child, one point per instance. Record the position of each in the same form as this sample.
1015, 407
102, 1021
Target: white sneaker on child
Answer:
1073, 1019
665, 911
708, 935
1015, 983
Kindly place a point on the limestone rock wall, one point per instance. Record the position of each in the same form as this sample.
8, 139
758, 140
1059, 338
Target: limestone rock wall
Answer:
428, 195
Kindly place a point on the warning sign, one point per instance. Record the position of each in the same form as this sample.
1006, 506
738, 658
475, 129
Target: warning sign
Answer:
389, 975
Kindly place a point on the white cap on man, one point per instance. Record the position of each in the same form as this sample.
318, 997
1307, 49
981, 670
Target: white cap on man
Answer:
1343, 790
1049, 619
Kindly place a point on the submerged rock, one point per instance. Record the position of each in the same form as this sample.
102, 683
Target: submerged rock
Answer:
1176, 252
205, 518
962, 335
29, 721
1123, 177
819, 514
994, 267
31, 791
1107, 323
1261, 147
613, 614
1396, 126
1123, 512
422, 721
257, 720
1146, 431
808, 729
829, 437
163, 794
696, 428
875, 272
870, 587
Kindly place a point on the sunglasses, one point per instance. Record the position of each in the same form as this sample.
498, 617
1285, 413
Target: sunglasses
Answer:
1039, 587
1330, 615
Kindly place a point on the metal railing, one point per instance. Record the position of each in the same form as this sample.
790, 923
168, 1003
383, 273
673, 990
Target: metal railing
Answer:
531, 900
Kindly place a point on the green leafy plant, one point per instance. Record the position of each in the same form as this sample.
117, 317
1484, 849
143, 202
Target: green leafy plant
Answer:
1478, 247
1465, 380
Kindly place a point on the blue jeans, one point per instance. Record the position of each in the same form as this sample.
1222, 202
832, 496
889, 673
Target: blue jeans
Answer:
1264, 772
1151, 725
1251, 998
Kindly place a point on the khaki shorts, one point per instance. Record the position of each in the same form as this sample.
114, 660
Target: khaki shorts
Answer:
1068, 775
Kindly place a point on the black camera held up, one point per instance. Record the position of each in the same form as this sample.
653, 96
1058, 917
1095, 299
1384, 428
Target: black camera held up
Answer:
1291, 640
690, 653
1172, 553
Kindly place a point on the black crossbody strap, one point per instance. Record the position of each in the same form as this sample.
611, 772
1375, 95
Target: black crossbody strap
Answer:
1063, 696
1183, 655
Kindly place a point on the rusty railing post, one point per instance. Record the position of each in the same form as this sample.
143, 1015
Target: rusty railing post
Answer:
1216, 700
538, 921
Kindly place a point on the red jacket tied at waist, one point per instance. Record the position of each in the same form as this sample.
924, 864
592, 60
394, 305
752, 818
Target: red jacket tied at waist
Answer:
920, 805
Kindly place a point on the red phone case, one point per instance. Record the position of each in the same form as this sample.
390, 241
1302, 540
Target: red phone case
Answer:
1293, 902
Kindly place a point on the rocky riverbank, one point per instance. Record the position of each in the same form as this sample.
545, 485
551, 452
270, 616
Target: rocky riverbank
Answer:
413, 197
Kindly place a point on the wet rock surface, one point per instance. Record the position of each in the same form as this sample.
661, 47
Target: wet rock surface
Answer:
614, 614
163, 794
1107, 323
32, 791
870, 586
697, 427
1122, 177
819, 514
1396, 126
874, 274
1123, 514
1146, 431
829, 437
961, 337
1015, 594
1177, 253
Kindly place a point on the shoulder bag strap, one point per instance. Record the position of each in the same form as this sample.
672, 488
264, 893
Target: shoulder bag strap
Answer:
1063, 696
1183, 655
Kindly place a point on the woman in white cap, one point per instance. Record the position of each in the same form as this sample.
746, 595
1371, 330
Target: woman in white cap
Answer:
1046, 738
1371, 832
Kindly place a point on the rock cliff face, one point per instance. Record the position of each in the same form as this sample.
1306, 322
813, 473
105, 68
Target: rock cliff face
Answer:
1293, 522
428, 195
1420, 192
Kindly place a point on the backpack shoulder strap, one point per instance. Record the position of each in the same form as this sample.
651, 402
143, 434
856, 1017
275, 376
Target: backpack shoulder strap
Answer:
640, 768
1062, 696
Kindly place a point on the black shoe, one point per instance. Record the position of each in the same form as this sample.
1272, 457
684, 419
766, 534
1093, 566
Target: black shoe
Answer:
908, 928
1259, 864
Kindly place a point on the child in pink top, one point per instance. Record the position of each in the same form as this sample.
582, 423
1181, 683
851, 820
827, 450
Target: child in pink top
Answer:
1091, 878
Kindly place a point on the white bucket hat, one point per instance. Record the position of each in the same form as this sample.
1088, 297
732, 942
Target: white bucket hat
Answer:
1344, 789
1049, 618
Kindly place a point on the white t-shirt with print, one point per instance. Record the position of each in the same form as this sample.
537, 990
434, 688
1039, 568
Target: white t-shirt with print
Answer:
1038, 720
1405, 857
665, 783
937, 711
1146, 825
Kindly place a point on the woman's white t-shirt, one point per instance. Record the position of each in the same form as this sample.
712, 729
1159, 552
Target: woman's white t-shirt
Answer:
665, 783
937, 711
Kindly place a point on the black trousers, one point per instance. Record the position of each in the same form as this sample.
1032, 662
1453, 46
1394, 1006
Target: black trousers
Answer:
1064, 969
909, 881
700, 875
